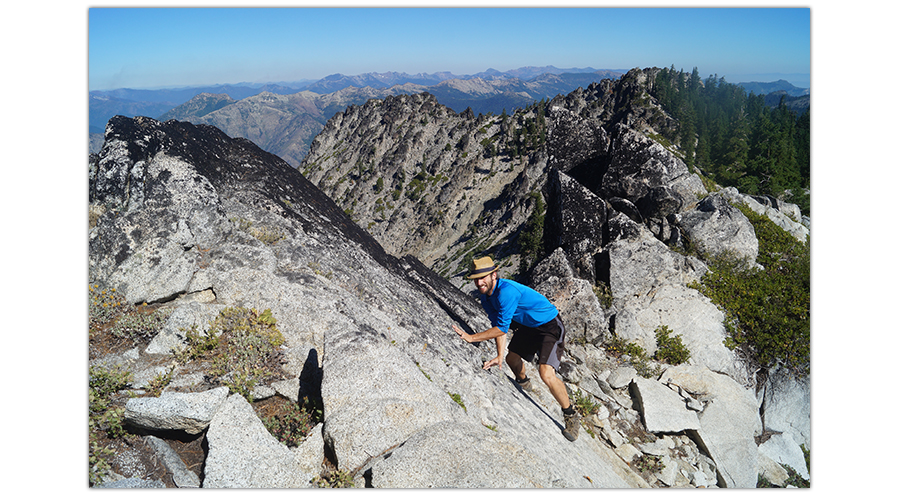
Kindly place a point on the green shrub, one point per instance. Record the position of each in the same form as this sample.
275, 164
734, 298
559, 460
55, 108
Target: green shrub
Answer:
102, 384
294, 422
650, 464
334, 479
618, 347
197, 345
159, 382
103, 417
670, 350
136, 324
584, 403
104, 305
603, 294
242, 346
636, 354
767, 310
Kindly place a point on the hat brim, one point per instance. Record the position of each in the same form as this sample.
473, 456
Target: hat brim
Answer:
481, 273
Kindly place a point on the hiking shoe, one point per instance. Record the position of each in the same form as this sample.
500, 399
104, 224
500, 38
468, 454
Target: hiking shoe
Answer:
573, 422
525, 384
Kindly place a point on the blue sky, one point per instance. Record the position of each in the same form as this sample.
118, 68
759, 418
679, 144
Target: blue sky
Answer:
155, 47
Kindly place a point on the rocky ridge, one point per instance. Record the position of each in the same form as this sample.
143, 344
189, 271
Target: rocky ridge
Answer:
184, 209
284, 121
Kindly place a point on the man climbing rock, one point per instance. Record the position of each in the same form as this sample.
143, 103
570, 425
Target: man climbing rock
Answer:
537, 330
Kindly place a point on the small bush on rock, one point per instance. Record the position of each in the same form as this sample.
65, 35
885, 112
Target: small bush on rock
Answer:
102, 384
584, 403
457, 399
650, 464
293, 422
636, 355
670, 350
242, 346
334, 479
104, 305
136, 324
603, 294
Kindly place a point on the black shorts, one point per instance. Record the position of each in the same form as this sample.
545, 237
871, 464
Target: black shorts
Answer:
546, 341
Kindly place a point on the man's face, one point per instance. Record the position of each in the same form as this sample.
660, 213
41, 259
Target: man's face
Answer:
485, 284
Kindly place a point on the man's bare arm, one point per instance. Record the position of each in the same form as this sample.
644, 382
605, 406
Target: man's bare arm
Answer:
498, 361
491, 333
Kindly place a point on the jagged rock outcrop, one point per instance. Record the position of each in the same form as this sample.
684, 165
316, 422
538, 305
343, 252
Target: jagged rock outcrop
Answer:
426, 181
577, 221
286, 123
785, 215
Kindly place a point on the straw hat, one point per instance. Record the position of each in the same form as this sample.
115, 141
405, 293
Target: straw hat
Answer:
481, 268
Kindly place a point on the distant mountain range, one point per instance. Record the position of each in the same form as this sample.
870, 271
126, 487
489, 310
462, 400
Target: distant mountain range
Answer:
284, 117
765, 88
104, 104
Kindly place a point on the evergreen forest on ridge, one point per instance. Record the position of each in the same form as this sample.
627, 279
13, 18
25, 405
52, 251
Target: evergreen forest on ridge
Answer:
737, 140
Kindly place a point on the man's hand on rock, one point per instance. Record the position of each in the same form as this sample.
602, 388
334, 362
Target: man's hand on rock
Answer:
498, 361
463, 335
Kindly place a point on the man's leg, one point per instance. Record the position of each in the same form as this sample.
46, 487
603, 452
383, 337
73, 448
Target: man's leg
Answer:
516, 365
558, 389
556, 386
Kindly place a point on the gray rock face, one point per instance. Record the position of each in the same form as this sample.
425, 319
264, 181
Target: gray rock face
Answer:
310, 454
391, 365
242, 453
787, 216
782, 449
190, 412
375, 397
785, 400
577, 223
573, 140
729, 423
460, 455
716, 228
663, 409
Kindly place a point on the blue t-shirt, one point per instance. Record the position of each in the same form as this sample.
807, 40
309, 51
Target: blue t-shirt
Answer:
513, 301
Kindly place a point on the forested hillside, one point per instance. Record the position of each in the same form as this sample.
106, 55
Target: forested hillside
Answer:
735, 138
